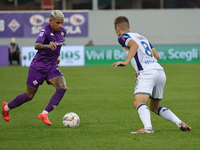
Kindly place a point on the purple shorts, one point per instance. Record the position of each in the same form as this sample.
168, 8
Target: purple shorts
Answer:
37, 77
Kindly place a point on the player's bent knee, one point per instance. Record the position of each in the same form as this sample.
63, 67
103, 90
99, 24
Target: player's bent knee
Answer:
64, 88
137, 102
31, 97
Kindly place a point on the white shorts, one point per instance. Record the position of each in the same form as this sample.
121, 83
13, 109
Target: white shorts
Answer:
151, 83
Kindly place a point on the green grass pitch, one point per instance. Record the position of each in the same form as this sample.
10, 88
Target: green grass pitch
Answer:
103, 99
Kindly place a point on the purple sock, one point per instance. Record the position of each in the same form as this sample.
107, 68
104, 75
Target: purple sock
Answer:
19, 100
55, 99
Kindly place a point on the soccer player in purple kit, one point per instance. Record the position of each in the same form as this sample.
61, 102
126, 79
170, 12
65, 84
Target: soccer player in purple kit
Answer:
44, 67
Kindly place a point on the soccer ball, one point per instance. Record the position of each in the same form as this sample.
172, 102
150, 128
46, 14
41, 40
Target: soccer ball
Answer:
71, 119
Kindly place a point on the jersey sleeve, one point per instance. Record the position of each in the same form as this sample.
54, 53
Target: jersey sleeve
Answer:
124, 39
41, 36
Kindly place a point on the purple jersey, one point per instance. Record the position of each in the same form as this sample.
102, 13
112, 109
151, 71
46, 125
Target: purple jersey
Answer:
44, 59
43, 66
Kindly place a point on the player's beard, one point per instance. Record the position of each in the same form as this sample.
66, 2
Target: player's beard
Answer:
58, 29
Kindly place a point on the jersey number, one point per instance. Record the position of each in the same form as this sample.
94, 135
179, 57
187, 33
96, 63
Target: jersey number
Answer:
147, 49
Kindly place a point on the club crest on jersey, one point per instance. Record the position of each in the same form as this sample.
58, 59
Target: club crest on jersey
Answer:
35, 82
62, 33
41, 34
52, 34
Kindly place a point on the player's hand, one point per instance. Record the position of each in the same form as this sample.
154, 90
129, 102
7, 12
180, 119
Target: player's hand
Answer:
119, 63
57, 63
135, 79
53, 46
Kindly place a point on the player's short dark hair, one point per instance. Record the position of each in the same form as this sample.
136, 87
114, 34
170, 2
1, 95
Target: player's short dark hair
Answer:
122, 22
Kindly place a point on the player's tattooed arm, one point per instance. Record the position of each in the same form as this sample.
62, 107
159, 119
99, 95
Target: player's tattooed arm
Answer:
40, 46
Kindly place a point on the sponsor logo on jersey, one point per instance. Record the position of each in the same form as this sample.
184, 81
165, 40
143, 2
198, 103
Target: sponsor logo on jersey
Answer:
58, 43
52, 34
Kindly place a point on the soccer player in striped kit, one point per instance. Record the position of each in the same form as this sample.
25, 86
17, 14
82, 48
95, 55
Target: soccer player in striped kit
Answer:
150, 76
44, 67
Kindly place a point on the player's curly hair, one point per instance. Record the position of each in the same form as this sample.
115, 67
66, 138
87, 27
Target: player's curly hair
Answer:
122, 22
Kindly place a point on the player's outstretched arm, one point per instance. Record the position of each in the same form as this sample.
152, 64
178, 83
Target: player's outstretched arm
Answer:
119, 63
132, 51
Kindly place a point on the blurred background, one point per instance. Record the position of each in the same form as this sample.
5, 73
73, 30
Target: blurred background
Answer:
162, 22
